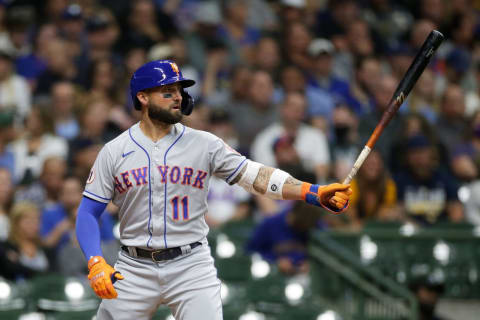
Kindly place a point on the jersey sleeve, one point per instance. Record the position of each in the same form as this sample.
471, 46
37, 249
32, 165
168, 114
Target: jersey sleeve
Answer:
226, 162
99, 184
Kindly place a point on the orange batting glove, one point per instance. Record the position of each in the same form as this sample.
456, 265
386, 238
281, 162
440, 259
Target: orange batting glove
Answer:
333, 197
101, 275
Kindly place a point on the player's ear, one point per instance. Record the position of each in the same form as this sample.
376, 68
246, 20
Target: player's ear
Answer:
142, 97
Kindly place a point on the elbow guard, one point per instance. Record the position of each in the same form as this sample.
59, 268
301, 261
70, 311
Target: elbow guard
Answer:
249, 176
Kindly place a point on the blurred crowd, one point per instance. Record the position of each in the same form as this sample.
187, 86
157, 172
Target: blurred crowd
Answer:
295, 84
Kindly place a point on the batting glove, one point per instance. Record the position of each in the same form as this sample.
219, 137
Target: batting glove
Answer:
333, 197
101, 275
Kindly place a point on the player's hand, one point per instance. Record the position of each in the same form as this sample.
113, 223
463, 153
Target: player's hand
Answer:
100, 276
333, 197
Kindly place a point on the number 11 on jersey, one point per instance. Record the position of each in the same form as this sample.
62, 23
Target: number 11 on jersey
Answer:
184, 203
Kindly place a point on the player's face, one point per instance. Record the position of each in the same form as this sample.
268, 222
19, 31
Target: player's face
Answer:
164, 103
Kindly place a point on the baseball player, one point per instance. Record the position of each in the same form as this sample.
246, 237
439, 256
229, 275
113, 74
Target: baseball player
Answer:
157, 173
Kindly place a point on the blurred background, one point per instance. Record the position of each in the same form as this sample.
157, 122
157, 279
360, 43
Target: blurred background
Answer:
296, 84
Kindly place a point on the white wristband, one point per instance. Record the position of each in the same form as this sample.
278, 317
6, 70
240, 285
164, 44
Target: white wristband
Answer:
275, 184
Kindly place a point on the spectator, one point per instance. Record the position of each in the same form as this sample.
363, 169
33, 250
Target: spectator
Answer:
237, 34
236, 95
345, 144
399, 57
22, 255
419, 33
267, 55
388, 19
32, 65
382, 94
423, 98
287, 158
282, 239
44, 191
15, 92
367, 76
320, 103
146, 25
466, 166
64, 104
7, 135
94, 132
333, 21
457, 67
321, 76
19, 20
297, 39
72, 28
6, 197
261, 15
472, 97
433, 10
374, 194
258, 113
104, 79
204, 36
37, 144
217, 61
452, 120
310, 143
292, 11
359, 38
72, 24
134, 58
58, 221
427, 193
60, 67
415, 124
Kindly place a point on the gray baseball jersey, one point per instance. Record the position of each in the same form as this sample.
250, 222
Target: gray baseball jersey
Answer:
161, 187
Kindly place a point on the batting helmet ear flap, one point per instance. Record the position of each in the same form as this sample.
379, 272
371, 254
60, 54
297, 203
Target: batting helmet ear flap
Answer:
187, 102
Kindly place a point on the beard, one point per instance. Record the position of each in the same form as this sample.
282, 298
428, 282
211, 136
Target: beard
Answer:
158, 114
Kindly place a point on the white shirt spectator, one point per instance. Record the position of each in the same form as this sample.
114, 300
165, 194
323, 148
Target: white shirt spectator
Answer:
50, 146
310, 144
15, 94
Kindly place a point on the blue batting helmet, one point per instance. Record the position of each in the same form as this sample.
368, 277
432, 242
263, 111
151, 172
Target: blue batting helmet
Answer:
159, 73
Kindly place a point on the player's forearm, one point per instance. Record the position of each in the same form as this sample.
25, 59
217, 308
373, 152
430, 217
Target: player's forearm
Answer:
277, 184
292, 188
87, 227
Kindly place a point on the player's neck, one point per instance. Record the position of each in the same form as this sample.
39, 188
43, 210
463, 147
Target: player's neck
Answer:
155, 130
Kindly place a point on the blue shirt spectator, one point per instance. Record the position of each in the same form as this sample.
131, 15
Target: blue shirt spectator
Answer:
284, 236
52, 216
427, 192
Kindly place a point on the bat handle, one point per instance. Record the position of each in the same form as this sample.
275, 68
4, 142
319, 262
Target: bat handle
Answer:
358, 163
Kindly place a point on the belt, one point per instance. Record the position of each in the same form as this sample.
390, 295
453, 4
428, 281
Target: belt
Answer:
161, 254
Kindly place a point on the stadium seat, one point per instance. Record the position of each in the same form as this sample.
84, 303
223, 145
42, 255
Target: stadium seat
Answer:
236, 268
62, 294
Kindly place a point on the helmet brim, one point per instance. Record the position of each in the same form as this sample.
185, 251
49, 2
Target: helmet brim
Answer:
187, 83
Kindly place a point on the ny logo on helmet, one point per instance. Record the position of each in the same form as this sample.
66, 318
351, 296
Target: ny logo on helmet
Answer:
175, 67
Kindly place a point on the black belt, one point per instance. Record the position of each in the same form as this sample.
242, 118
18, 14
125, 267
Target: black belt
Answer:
161, 254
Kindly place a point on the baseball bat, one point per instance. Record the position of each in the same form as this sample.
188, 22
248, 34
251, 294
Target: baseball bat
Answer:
418, 65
